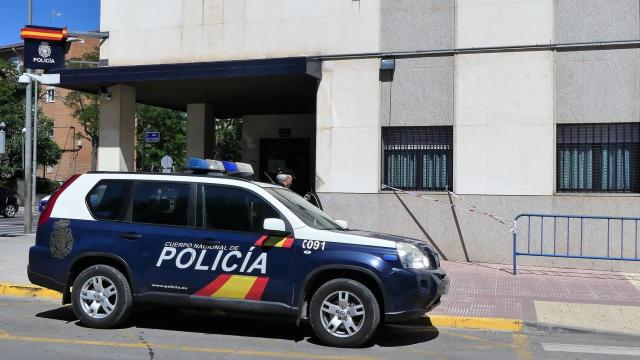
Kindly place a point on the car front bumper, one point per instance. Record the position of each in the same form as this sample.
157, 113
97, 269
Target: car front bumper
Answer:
414, 293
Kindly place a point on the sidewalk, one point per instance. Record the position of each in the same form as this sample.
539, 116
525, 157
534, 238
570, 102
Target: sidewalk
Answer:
14, 257
598, 300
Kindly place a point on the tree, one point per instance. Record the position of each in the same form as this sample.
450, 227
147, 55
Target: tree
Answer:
172, 126
12, 114
86, 110
228, 139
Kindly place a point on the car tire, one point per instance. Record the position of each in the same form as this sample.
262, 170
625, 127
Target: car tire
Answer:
344, 313
101, 297
9, 211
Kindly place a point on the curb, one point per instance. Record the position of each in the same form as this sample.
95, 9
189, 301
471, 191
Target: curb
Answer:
478, 323
28, 291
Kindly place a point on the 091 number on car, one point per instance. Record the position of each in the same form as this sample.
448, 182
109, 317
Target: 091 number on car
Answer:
313, 245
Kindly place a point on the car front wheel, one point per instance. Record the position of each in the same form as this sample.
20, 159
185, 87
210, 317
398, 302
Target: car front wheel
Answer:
101, 297
344, 313
9, 211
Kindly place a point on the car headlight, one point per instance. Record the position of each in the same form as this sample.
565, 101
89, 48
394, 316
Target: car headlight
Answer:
411, 257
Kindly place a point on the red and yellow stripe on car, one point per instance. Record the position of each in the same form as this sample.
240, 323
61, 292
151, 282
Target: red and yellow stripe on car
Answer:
275, 241
235, 287
43, 33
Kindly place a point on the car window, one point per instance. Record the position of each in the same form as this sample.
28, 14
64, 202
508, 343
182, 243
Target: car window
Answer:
309, 214
236, 209
105, 200
161, 203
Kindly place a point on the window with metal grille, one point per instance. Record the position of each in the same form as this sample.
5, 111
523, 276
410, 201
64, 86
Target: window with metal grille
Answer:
598, 157
418, 157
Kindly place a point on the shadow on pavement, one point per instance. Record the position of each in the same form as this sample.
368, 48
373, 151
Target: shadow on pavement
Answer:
211, 322
63, 313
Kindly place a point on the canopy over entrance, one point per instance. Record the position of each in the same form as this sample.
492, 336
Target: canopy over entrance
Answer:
234, 88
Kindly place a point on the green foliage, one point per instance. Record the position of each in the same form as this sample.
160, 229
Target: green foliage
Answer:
12, 114
228, 139
172, 126
86, 110
46, 186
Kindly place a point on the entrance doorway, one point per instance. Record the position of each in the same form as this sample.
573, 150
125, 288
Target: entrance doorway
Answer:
294, 154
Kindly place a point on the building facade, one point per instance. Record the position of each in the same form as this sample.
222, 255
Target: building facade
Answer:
517, 106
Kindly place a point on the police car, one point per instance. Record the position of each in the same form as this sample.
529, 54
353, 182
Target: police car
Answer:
109, 240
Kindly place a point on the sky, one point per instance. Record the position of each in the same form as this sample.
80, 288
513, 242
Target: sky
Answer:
76, 15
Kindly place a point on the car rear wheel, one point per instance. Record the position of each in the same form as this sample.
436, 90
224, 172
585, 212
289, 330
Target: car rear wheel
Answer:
344, 313
9, 211
101, 297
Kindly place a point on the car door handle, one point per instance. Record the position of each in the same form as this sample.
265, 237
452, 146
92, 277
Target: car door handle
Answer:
131, 236
209, 242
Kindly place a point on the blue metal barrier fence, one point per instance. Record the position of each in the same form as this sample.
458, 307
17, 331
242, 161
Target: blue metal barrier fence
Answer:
568, 240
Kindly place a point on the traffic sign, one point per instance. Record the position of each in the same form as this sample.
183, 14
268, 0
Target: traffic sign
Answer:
167, 164
152, 136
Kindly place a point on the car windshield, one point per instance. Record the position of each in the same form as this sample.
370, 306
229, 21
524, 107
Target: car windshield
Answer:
304, 210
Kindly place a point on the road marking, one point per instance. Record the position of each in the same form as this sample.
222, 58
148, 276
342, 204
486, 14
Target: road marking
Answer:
521, 347
591, 349
140, 345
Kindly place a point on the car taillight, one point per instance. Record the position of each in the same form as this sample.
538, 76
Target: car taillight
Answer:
44, 217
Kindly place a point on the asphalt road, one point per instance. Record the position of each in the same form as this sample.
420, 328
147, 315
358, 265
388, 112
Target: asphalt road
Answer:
37, 329
10, 227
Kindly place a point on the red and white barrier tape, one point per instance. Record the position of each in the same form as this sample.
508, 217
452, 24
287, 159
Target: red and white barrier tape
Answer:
465, 206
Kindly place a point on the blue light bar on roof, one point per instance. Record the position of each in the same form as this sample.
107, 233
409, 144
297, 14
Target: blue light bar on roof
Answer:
230, 167
204, 166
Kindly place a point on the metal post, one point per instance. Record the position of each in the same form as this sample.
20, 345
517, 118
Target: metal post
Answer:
34, 167
27, 153
22, 143
144, 146
514, 251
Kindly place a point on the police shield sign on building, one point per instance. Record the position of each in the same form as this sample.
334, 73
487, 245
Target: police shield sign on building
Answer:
44, 47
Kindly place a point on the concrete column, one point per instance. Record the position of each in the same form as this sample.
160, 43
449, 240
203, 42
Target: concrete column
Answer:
348, 127
201, 131
117, 129
504, 126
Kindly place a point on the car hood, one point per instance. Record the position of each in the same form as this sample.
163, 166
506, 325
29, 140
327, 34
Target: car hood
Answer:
375, 235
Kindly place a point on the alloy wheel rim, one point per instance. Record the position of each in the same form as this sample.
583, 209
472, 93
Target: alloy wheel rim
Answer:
11, 210
98, 297
342, 314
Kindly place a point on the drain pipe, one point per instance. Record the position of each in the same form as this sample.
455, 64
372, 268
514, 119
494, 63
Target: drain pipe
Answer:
599, 45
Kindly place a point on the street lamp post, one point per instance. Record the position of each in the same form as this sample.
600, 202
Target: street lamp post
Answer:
28, 78
34, 166
28, 210
23, 143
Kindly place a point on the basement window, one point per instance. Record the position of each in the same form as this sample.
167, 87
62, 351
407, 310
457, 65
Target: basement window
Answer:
418, 157
598, 157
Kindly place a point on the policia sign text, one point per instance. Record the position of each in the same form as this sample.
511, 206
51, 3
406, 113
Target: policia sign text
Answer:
44, 47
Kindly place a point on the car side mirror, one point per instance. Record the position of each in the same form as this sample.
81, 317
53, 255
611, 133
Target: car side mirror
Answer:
274, 225
343, 224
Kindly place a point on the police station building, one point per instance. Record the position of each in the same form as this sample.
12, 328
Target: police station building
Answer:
517, 106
